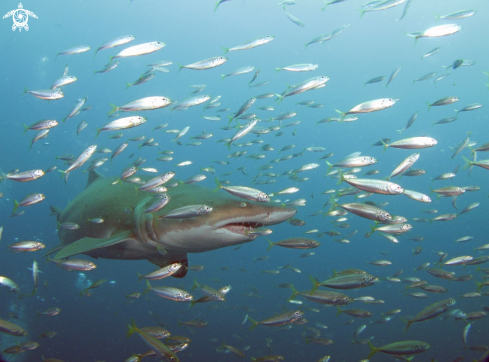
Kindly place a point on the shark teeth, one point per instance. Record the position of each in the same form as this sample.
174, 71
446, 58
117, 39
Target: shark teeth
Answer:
242, 228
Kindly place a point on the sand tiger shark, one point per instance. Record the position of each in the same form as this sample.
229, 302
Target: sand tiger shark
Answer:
129, 233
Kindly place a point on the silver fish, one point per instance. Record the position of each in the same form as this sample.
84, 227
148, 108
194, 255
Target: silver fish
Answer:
251, 44
74, 50
139, 49
205, 64
115, 42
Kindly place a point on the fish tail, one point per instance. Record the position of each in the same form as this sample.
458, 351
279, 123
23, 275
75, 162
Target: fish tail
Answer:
339, 310
361, 13
315, 284
34, 291
192, 303
253, 322
98, 132
217, 5
437, 17
385, 144
55, 59
372, 228
148, 285
479, 286
280, 98
270, 244
110, 59
225, 50
341, 113
325, 6
96, 51
408, 324
218, 183
468, 163
295, 293
140, 276
132, 328
330, 166
26, 128
113, 110
230, 119
25, 91
223, 76
229, 145
429, 105
195, 285
128, 85
341, 177
373, 350
16, 206
180, 67
279, 69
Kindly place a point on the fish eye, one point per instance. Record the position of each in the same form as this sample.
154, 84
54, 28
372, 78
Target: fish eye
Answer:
242, 204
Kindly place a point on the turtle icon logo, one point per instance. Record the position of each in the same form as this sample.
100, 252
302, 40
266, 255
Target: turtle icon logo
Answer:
20, 17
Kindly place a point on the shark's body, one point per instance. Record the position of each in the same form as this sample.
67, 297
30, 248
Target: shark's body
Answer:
127, 232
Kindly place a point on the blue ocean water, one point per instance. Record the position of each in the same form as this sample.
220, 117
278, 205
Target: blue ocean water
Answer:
94, 329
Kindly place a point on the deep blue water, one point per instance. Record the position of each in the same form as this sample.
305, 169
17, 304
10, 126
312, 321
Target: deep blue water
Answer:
93, 329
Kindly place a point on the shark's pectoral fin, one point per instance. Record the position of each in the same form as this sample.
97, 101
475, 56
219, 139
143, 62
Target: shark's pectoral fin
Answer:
89, 244
54, 250
164, 260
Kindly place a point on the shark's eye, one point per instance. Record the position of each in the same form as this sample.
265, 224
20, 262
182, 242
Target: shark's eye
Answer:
243, 204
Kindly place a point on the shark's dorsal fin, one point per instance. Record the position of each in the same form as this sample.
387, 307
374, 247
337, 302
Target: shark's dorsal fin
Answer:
92, 177
85, 245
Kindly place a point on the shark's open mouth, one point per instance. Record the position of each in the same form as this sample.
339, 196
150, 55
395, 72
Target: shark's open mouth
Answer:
242, 228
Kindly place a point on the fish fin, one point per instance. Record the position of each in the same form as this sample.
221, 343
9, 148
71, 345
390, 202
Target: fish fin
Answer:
53, 250
339, 310
468, 163
180, 67
270, 245
85, 245
254, 323
132, 328
295, 293
26, 128
385, 144
315, 284
96, 51
373, 350
113, 110
16, 206
330, 166
279, 69
225, 50
92, 177
341, 177
280, 98
25, 91
195, 285
429, 105
437, 17
148, 287
128, 85
140, 276
55, 211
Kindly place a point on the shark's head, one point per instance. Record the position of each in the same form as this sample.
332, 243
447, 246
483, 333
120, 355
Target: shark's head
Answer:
229, 222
